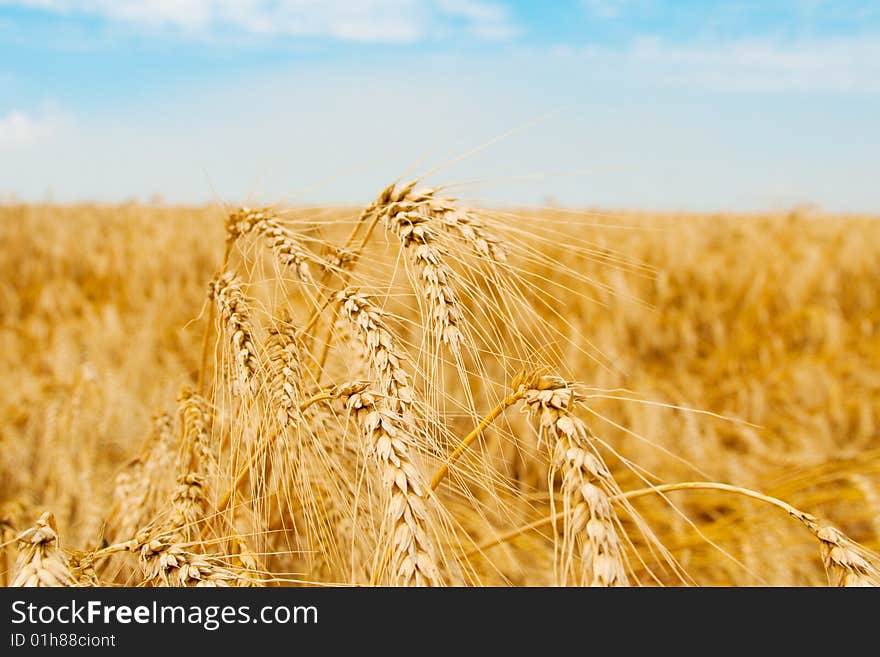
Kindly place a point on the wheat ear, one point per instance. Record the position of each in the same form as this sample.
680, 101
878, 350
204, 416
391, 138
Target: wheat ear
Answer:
286, 248
465, 224
590, 522
197, 453
384, 415
40, 562
283, 350
410, 221
166, 563
846, 562
235, 316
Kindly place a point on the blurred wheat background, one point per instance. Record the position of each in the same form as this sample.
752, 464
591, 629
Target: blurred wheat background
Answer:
209, 395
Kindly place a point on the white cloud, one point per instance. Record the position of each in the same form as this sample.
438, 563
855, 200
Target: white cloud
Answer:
20, 129
485, 20
606, 8
366, 20
613, 9
841, 65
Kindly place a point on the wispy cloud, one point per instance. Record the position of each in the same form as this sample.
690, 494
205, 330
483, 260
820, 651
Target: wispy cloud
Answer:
484, 19
368, 20
830, 65
606, 8
18, 128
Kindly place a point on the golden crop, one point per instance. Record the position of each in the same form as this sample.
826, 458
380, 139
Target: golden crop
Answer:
418, 393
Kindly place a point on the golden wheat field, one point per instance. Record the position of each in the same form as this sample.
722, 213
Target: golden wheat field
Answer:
416, 392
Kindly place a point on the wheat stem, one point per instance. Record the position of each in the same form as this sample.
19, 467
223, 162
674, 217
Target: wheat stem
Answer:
508, 401
844, 565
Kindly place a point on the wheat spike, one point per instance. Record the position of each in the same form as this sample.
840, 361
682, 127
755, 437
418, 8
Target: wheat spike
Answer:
285, 374
188, 507
589, 520
286, 248
846, 562
247, 564
235, 316
82, 568
385, 359
384, 416
409, 219
166, 563
412, 560
197, 451
40, 562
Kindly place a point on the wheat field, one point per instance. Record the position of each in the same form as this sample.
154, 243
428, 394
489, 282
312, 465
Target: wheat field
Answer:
416, 392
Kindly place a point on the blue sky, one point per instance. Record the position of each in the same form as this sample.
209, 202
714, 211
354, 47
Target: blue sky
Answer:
659, 104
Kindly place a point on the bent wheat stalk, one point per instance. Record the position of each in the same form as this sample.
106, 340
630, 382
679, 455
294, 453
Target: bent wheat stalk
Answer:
466, 442
846, 562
